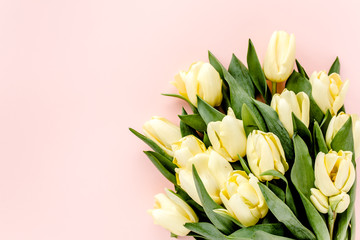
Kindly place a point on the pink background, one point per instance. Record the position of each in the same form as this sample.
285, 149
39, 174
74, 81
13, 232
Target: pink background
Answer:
74, 75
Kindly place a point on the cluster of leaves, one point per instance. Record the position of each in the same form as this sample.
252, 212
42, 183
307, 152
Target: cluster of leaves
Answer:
292, 215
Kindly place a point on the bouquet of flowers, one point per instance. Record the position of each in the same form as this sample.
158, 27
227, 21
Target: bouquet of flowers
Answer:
251, 163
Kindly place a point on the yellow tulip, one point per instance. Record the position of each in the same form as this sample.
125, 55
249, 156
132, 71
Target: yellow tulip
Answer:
162, 132
334, 172
280, 56
243, 198
264, 152
287, 103
213, 170
171, 212
186, 148
228, 136
339, 203
328, 91
203, 80
319, 200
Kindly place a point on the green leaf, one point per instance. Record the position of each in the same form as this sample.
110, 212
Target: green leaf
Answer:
226, 215
160, 165
297, 83
353, 227
335, 67
284, 215
184, 128
238, 70
325, 122
183, 98
343, 219
301, 129
256, 72
277, 190
289, 200
343, 139
206, 229
195, 121
275, 126
207, 112
150, 143
319, 141
261, 235
206, 140
250, 122
302, 176
273, 228
221, 223
244, 165
301, 70
238, 96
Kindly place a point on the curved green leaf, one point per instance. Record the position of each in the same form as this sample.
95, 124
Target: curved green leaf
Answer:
226, 215
343, 139
195, 121
238, 70
261, 235
250, 122
319, 141
256, 72
273, 228
150, 143
335, 67
206, 229
325, 122
275, 126
160, 165
284, 215
301, 129
223, 224
183, 98
207, 112
301, 70
186, 129
244, 165
302, 176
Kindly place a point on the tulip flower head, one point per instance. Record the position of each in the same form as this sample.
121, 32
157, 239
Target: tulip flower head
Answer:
328, 91
280, 56
171, 212
228, 136
264, 152
162, 132
243, 198
203, 80
287, 103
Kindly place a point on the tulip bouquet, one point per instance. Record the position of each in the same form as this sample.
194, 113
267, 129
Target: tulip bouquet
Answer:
251, 163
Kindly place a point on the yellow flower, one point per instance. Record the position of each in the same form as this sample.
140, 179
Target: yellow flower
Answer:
334, 172
280, 56
319, 200
171, 212
228, 136
203, 80
328, 91
264, 152
243, 198
286, 103
162, 132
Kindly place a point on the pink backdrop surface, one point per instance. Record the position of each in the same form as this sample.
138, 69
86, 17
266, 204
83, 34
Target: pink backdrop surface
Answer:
74, 75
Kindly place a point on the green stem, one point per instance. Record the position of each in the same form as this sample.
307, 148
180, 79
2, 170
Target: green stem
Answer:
331, 222
274, 87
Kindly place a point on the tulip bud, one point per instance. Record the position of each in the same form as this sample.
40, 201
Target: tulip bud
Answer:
328, 91
319, 200
280, 56
203, 80
186, 148
243, 198
286, 103
171, 212
228, 136
264, 152
334, 172
337, 122
339, 203
162, 132
213, 170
